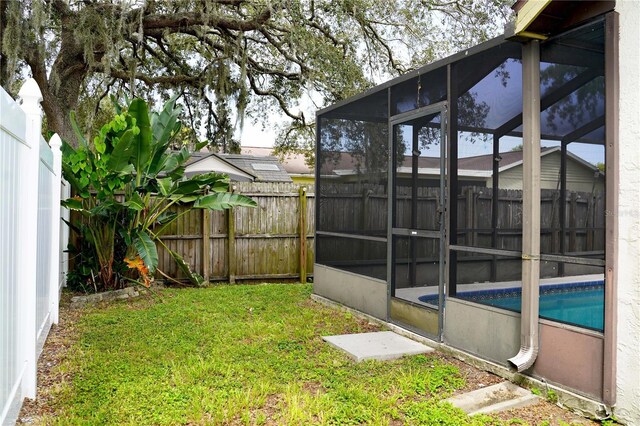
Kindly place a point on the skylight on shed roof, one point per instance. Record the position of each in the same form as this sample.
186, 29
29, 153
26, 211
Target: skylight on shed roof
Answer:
265, 167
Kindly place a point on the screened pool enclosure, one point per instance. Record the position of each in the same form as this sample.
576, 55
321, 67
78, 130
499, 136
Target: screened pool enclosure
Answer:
435, 190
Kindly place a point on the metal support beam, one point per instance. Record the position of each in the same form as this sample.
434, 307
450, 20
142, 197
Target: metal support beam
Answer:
529, 343
584, 130
562, 211
452, 175
391, 210
495, 194
552, 97
413, 242
612, 98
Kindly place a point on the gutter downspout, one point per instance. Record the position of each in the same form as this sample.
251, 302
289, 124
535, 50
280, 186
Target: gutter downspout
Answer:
530, 208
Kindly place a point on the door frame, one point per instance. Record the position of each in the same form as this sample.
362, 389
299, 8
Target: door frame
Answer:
437, 108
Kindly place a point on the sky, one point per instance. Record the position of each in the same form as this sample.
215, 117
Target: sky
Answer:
255, 135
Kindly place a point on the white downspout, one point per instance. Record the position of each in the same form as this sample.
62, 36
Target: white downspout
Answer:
530, 207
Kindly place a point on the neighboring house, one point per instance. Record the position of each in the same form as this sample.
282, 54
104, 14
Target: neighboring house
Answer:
581, 175
478, 170
295, 164
240, 168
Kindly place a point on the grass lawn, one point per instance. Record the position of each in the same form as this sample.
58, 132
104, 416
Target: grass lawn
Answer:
241, 355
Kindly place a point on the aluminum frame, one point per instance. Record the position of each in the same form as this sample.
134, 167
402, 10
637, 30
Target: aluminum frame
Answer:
437, 108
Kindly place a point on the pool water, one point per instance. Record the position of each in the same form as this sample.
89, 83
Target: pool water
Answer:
583, 307
580, 304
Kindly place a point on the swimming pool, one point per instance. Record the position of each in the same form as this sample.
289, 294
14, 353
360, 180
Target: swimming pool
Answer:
580, 304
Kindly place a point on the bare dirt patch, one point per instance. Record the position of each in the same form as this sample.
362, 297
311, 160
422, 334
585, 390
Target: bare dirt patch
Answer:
314, 388
50, 377
545, 413
267, 414
474, 377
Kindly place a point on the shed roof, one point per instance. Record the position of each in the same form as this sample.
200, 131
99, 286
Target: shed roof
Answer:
265, 169
345, 163
239, 167
294, 164
206, 162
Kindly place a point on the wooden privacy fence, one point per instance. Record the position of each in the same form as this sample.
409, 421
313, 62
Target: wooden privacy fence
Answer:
583, 227
353, 208
31, 273
272, 241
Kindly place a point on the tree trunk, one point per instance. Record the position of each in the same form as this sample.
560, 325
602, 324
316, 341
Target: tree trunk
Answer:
58, 119
64, 84
4, 66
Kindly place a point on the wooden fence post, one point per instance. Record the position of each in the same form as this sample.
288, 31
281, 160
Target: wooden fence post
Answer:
469, 217
231, 235
206, 244
303, 233
573, 223
366, 202
589, 222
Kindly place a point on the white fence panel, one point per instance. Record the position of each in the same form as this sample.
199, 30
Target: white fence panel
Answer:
65, 214
43, 269
12, 150
30, 242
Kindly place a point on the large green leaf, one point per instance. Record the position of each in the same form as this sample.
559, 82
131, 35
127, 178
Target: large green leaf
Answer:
164, 163
177, 173
194, 277
72, 204
68, 174
122, 152
116, 105
163, 125
108, 209
76, 205
141, 144
166, 217
224, 200
185, 187
135, 202
147, 251
212, 179
128, 170
67, 150
76, 129
164, 185
186, 199
201, 145
162, 122
183, 155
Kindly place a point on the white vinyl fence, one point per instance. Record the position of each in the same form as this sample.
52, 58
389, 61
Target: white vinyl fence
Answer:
31, 272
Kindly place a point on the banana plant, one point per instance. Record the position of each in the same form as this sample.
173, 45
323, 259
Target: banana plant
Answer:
127, 182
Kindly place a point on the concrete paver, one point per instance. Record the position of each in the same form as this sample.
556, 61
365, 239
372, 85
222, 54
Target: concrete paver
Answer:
381, 345
499, 397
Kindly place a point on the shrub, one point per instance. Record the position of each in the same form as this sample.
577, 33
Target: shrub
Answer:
125, 184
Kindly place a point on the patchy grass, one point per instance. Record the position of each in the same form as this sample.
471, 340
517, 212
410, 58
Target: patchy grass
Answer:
241, 355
